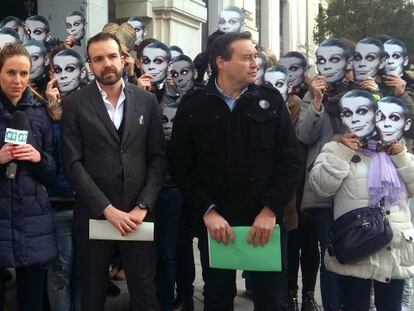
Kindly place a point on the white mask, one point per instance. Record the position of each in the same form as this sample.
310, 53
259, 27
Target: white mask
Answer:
260, 71
331, 63
75, 26
182, 75
358, 115
295, 68
155, 62
139, 31
395, 61
38, 61
67, 72
366, 61
36, 30
229, 21
391, 122
168, 115
278, 80
6, 39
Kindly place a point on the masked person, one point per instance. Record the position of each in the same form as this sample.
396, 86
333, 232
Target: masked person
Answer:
363, 176
38, 76
139, 27
231, 19
37, 27
8, 36
297, 67
318, 122
63, 288
75, 25
262, 64
16, 24
277, 77
69, 70
368, 59
182, 71
154, 63
395, 81
393, 118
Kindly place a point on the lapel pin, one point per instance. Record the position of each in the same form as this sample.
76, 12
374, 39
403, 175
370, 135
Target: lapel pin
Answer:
264, 104
141, 119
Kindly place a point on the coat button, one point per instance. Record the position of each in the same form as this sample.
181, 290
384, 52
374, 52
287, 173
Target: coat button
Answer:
387, 280
388, 248
356, 159
387, 212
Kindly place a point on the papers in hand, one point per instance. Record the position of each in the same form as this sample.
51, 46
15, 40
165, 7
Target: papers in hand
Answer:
104, 230
241, 255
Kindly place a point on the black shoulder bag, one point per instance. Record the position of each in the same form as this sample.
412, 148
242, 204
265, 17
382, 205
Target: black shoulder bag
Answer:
358, 234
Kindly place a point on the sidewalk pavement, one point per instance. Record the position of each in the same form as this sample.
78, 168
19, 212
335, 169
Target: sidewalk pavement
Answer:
121, 303
241, 303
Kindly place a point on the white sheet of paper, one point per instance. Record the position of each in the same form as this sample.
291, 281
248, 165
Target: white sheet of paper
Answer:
104, 230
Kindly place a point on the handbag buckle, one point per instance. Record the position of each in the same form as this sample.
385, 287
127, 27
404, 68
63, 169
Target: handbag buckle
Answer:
366, 225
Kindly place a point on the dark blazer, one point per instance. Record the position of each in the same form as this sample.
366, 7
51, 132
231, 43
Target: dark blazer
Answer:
103, 168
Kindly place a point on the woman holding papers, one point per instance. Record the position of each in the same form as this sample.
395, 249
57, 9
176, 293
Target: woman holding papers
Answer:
366, 174
27, 240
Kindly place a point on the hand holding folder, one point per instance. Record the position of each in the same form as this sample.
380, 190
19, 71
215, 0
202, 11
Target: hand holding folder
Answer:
104, 230
241, 255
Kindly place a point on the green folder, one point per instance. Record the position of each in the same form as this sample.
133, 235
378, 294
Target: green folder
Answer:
241, 255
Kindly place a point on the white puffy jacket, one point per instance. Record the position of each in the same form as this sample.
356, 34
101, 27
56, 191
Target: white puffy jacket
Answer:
342, 173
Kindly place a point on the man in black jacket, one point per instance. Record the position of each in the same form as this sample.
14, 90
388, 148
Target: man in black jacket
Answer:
113, 154
234, 155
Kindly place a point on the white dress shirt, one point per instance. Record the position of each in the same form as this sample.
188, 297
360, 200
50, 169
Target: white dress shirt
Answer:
115, 114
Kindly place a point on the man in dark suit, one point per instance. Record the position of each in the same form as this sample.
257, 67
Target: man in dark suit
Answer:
113, 152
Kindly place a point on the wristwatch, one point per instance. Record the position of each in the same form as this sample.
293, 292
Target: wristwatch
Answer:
143, 206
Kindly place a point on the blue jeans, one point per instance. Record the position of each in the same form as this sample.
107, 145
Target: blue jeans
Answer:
168, 213
62, 286
357, 292
330, 286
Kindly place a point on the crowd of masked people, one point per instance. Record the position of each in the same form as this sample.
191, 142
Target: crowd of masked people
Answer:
352, 124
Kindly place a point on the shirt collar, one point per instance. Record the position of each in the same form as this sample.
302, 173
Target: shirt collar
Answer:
105, 96
222, 93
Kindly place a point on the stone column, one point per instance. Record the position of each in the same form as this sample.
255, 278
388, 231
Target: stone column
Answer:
270, 25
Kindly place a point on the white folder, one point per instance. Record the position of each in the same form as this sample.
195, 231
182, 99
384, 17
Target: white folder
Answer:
104, 230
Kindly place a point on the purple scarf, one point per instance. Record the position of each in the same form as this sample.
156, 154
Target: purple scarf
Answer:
383, 179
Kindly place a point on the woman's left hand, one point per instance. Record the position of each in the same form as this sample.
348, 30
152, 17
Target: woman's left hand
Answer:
394, 147
26, 152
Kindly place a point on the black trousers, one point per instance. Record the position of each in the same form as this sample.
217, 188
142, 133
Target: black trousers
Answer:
269, 288
30, 286
303, 249
139, 263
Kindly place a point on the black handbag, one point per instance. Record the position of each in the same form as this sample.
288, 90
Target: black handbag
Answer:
358, 234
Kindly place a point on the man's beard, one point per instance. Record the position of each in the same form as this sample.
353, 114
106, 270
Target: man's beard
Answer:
109, 81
